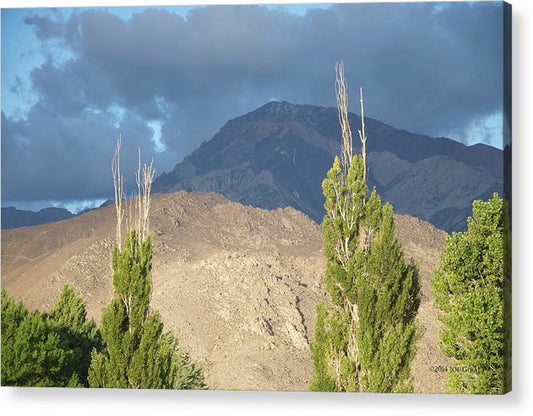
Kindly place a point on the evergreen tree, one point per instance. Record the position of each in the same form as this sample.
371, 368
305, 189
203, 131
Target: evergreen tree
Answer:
69, 318
472, 287
138, 353
13, 313
35, 350
365, 335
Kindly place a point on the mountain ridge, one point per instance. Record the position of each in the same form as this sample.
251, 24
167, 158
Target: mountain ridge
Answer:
14, 218
278, 155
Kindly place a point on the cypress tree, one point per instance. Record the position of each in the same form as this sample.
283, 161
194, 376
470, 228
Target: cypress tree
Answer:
365, 335
387, 297
472, 287
138, 353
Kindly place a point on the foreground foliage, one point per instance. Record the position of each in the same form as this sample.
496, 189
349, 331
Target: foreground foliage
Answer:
365, 336
47, 349
138, 354
472, 287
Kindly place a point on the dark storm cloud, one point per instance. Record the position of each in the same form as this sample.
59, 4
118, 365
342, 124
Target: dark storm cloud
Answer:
430, 70
67, 157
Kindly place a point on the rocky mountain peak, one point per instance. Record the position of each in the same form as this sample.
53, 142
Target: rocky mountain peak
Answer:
278, 155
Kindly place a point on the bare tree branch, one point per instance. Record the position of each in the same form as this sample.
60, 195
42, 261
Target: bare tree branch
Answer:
118, 183
138, 207
342, 105
362, 134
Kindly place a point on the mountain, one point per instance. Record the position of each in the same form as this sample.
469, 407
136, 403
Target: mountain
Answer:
16, 218
238, 285
278, 155
13, 218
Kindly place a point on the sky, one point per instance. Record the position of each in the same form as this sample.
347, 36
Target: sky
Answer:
167, 79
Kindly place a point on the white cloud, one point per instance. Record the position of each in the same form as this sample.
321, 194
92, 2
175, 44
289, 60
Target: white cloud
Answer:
487, 129
159, 145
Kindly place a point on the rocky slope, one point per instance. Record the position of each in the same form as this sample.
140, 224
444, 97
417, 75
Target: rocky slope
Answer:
239, 285
278, 155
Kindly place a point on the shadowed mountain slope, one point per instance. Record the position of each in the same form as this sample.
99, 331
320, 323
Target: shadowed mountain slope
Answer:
278, 155
13, 218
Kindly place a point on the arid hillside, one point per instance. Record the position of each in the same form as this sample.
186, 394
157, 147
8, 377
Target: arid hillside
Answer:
237, 284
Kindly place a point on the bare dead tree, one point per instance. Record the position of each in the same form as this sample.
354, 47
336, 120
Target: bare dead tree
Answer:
362, 134
138, 207
342, 105
144, 179
118, 183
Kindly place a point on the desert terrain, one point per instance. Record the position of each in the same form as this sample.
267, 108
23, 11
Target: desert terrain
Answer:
238, 285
